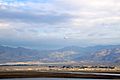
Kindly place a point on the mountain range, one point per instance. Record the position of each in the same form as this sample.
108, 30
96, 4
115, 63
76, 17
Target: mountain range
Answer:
109, 53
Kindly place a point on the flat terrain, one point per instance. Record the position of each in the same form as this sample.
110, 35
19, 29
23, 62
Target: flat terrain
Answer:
42, 72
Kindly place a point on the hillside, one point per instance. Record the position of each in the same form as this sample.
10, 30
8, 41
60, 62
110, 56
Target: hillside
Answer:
73, 53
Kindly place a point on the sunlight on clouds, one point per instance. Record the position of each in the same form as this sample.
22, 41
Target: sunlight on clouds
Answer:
4, 25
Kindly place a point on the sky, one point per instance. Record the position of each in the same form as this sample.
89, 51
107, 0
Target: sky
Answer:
50, 24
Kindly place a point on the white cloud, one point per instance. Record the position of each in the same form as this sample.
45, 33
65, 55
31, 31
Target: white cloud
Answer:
89, 20
4, 25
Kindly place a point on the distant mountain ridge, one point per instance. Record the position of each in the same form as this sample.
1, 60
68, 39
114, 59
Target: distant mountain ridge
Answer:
109, 53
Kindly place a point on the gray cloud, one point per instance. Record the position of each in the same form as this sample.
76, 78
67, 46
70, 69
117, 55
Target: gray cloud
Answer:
25, 17
54, 23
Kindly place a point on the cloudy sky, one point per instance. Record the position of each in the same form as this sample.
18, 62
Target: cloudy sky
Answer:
48, 24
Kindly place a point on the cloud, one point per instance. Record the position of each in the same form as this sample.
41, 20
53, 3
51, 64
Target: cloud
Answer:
4, 25
32, 18
81, 22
